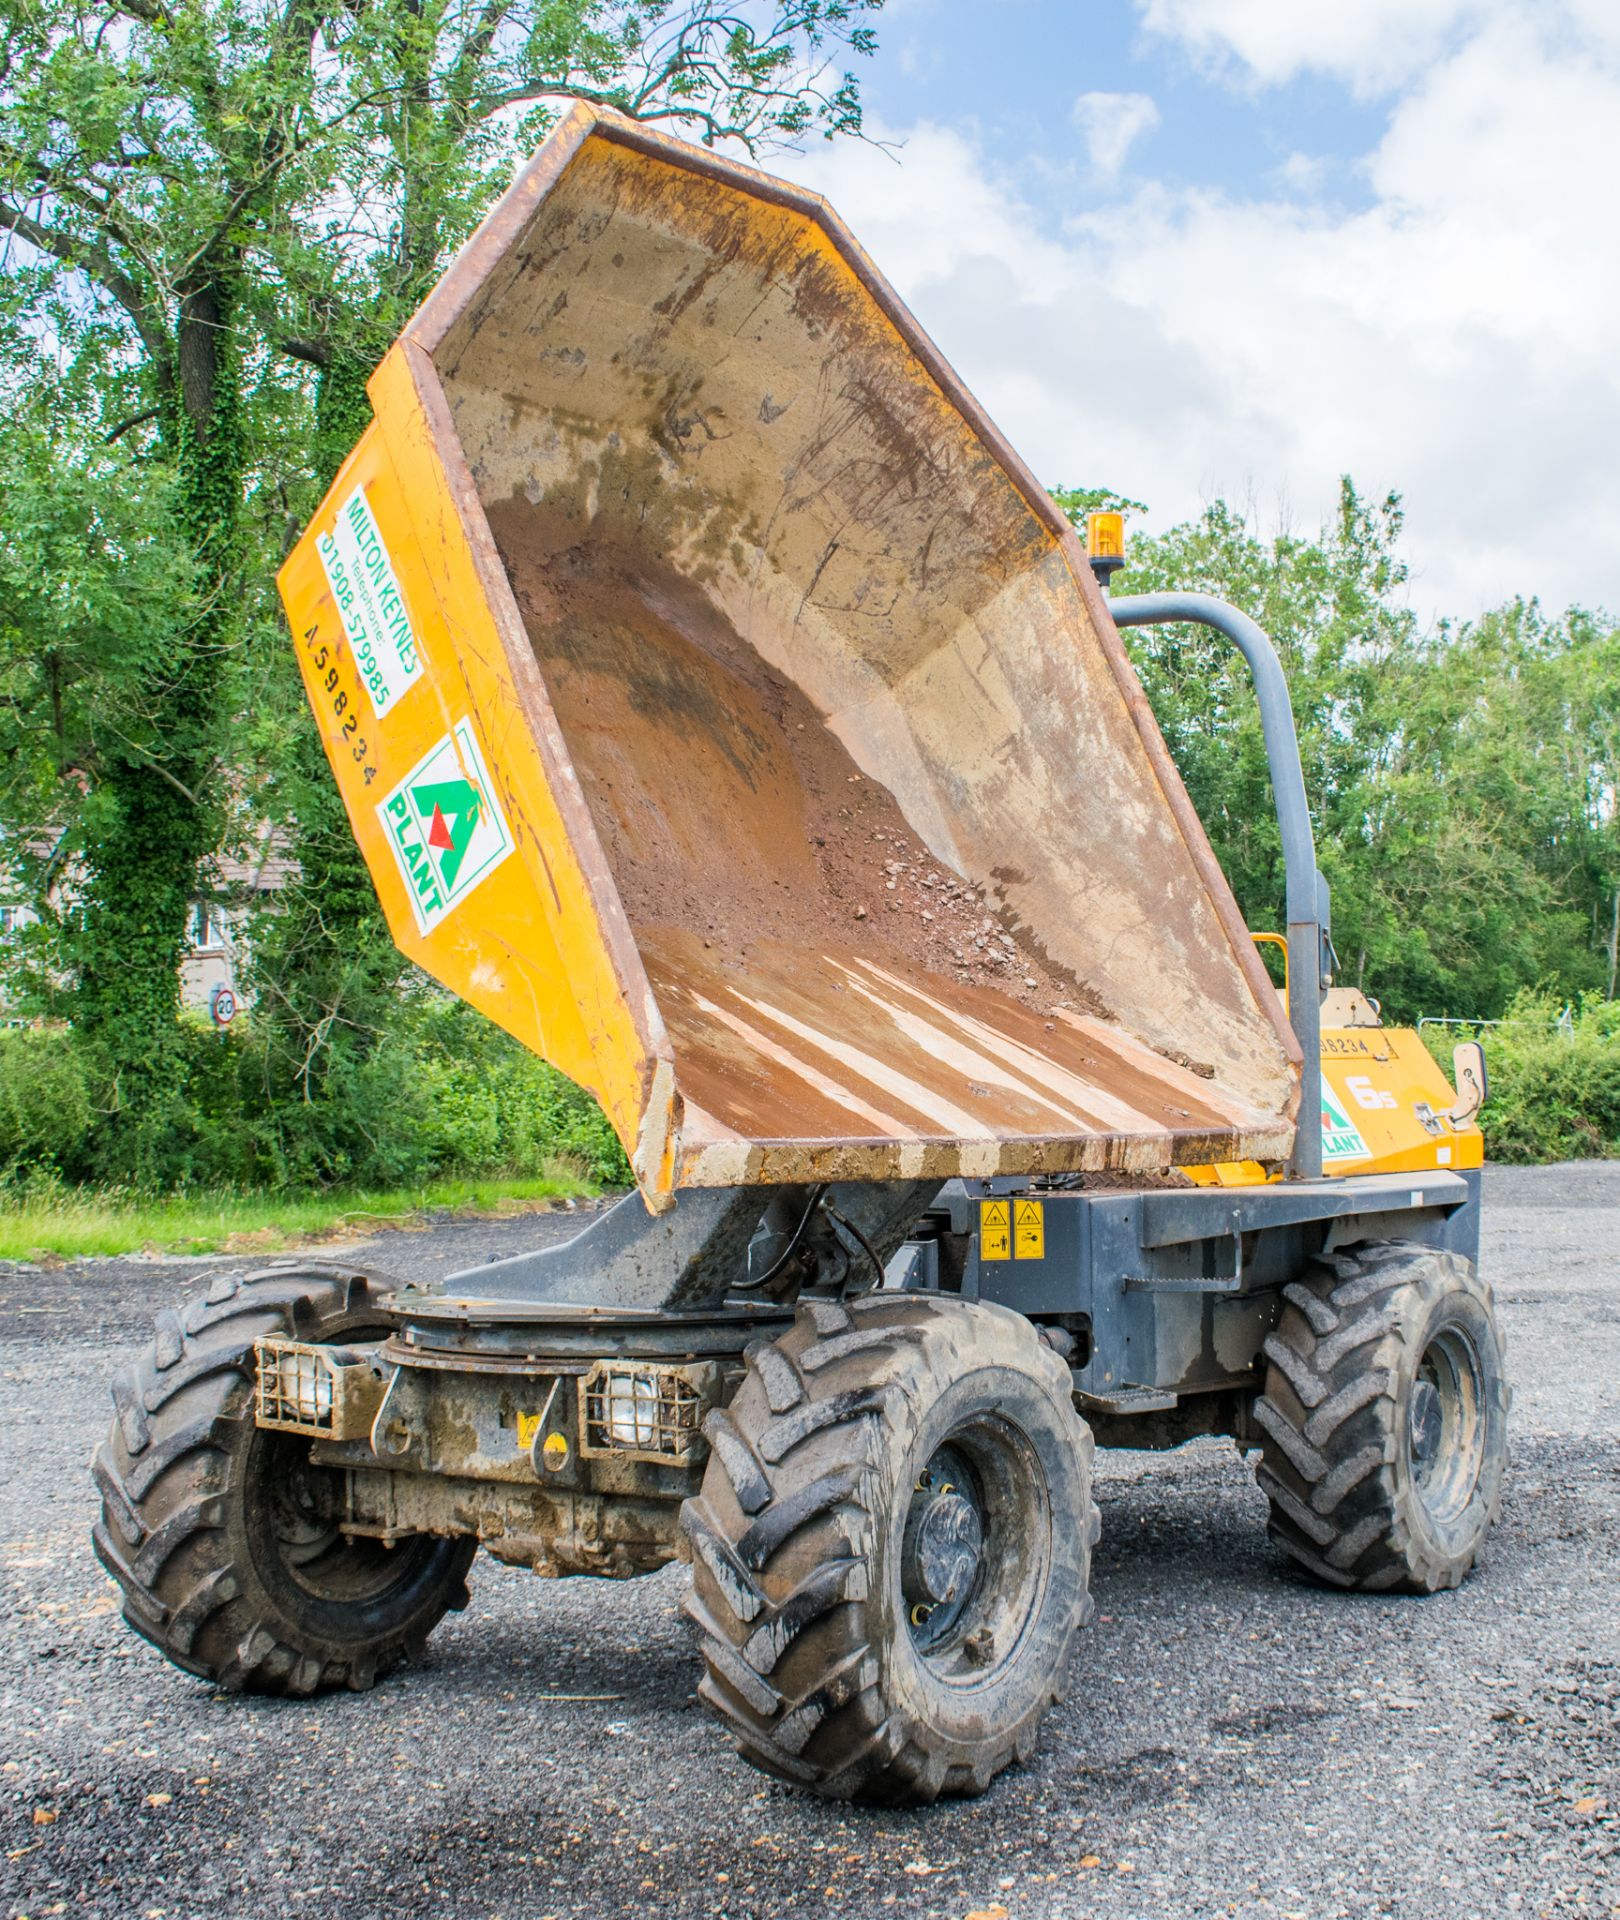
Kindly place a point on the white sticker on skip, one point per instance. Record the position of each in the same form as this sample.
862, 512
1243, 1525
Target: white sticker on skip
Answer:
445, 825
370, 604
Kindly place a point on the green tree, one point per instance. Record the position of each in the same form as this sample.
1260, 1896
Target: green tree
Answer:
243, 198
1488, 836
1462, 779
104, 793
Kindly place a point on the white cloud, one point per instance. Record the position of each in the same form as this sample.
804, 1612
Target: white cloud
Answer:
1111, 124
1371, 44
1302, 173
1455, 339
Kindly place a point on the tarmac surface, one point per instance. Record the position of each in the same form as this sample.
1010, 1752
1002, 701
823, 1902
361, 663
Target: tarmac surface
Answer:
1234, 1742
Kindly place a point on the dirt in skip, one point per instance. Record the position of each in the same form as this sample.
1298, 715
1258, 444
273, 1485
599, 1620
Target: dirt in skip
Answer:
725, 804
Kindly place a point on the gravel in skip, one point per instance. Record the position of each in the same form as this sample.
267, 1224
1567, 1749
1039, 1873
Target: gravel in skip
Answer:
1234, 1742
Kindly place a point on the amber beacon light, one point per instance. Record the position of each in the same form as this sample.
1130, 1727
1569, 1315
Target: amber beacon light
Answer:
1105, 545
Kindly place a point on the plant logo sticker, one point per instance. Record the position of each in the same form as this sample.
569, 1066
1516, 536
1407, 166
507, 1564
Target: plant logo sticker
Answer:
1341, 1138
445, 826
370, 604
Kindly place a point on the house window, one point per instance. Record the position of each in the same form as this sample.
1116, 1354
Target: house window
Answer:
11, 918
206, 928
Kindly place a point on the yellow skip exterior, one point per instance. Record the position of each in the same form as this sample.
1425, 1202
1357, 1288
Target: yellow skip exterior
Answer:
530, 921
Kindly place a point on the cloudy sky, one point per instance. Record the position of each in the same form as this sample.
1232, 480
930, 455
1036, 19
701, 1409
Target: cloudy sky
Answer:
1189, 248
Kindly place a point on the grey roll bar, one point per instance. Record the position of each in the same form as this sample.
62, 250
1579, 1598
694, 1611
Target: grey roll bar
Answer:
1308, 902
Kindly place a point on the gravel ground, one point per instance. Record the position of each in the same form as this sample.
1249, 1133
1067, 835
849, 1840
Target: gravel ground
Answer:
1234, 1741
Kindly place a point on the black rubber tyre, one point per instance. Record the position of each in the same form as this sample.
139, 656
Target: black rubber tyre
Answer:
1385, 1419
892, 1548
216, 1529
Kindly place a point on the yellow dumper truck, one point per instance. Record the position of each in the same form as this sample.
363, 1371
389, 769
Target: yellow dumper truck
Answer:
725, 710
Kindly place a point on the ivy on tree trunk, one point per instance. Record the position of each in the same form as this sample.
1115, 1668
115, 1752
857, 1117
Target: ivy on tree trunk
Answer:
156, 812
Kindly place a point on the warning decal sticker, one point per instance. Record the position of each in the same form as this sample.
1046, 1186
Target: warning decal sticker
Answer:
445, 826
1029, 1230
995, 1229
1341, 1139
370, 604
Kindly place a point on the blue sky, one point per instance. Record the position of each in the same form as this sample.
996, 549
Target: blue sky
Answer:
1236, 248
1015, 68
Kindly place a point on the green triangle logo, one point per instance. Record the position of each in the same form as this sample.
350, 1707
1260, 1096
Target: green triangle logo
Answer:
451, 808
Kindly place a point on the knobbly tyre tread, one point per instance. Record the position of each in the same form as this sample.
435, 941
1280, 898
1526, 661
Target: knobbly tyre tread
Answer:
1332, 1419
780, 1602
170, 1484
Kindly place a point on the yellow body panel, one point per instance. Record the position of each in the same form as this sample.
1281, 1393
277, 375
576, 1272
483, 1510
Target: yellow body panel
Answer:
1384, 1110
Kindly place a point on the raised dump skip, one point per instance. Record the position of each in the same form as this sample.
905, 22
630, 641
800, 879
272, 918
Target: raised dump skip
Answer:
723, 709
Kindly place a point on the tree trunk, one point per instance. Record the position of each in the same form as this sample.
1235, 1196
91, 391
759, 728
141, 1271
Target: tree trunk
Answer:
142, 863
152, 821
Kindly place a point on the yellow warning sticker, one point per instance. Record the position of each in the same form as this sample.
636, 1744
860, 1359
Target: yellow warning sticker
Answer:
528, 1425
995, 1229
1029, 1230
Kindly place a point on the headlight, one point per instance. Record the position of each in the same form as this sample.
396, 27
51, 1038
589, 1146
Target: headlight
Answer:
646, 1411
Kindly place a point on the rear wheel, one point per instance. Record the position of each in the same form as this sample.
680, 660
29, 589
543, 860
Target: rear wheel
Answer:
892, 1548
1385, 1419
225, 1538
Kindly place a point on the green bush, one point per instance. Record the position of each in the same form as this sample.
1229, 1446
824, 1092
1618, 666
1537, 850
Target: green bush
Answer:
471, 1100
46, 1109
439, 1093
442, 1091
1554, 1079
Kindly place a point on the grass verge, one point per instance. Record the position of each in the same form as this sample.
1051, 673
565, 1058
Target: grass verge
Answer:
70, 1223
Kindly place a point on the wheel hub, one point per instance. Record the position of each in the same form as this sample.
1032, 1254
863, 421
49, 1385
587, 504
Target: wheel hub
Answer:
943, 1550
304, 1529
949, 1542
1446, 1424
1428, 1425
298, 1519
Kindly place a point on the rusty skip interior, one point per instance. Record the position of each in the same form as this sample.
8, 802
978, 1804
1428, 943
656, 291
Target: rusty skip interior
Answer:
899, 867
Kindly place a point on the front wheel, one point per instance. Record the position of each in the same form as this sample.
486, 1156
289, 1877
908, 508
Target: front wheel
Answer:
892, 1548
1385, 1419
225, 1538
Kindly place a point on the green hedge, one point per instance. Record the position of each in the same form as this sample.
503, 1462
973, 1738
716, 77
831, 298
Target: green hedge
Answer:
440, 1093
1554, 1073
